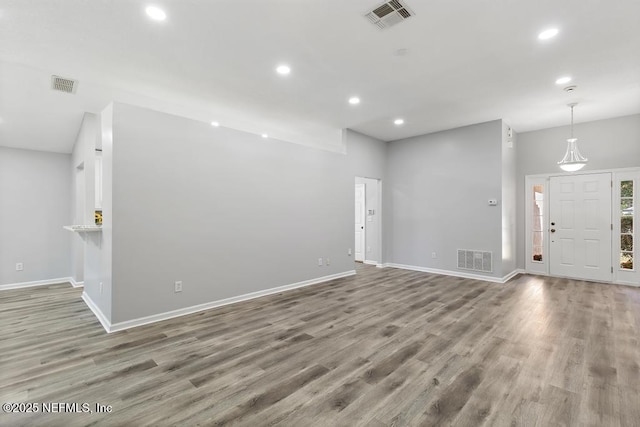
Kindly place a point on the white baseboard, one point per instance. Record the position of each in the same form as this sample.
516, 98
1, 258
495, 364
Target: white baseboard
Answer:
513, 274
462, 274
376, 263
97, 312
113, 327
76, 284
36, 283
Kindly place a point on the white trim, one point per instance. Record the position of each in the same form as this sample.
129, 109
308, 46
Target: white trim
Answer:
213, 304
537, 273
464, 275
370, 262
97, 312
584, 172
616, 175
513, 274
35, 283
76, 284
623, 283
536, 267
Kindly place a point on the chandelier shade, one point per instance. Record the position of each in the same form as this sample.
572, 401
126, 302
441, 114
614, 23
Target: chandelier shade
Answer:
573, 160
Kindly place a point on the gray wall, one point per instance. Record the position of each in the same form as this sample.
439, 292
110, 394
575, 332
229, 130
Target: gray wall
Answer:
35, 201
608, 144
438, 188
366, 156
226, 212
367, 160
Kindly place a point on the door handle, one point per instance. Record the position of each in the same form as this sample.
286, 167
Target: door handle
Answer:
553, 230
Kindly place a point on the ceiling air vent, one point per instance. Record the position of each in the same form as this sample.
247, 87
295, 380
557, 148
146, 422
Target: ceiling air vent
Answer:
389, 14
63, 85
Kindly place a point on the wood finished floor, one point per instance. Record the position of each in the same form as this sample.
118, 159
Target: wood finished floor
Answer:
386, 347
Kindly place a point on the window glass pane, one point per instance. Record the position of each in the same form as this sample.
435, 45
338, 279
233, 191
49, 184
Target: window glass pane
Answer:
626, 188
626, 242
538, 221
626, 261
538, 240
626, 224
626, 206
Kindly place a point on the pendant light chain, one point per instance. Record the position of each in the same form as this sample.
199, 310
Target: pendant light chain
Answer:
572, 121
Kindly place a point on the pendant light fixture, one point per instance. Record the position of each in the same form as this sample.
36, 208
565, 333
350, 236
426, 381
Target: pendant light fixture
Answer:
572, 160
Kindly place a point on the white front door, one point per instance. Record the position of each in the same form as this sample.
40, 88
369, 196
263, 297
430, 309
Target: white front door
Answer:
360, 207
580, 226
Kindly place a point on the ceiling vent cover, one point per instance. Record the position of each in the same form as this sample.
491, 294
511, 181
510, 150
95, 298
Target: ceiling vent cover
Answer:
388, 14
63, 84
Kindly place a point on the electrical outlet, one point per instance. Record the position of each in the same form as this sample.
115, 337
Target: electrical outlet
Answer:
434, 255
368, 248
328, 261
320, 262
177, 287
19, 266
100, 287
349, 252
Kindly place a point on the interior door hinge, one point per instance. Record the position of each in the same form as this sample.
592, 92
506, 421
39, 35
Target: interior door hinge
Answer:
611, 270
612, 226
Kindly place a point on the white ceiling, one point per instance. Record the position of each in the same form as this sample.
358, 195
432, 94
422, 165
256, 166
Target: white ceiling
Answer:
466, 62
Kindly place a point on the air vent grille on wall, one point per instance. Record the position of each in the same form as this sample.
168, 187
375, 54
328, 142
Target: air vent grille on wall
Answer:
475, 260
388, 14
63, 85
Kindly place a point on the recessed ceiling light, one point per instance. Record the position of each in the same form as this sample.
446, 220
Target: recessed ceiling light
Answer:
563, 80
283, 69
548, 34
155, 13
398, 122
354, 100
264, 135
215, 124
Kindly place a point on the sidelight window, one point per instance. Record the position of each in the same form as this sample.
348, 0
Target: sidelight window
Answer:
626, 225
538, 221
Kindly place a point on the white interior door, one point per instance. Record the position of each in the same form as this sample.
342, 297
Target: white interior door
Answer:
360, 222
580, 226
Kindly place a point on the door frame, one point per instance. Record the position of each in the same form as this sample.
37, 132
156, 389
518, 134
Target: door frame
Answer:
542, 268
377, 240
362, 255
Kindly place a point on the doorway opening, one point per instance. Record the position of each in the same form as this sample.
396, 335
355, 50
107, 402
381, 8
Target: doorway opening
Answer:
368, 221
77, 243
